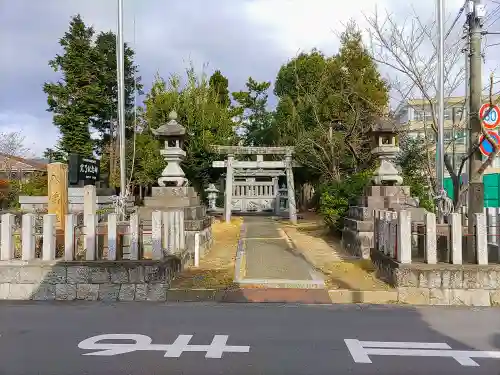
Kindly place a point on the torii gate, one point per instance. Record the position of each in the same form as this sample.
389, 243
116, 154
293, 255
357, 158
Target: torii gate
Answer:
230, 164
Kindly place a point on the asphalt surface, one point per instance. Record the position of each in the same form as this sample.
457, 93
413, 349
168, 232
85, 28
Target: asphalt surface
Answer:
268, 255
43, 338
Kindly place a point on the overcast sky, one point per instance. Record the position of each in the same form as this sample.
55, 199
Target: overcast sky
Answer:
240, 37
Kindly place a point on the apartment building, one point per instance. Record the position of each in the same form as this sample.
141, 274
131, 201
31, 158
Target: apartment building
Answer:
415, 118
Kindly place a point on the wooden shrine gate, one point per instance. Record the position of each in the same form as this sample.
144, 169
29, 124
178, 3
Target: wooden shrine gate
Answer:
254, 196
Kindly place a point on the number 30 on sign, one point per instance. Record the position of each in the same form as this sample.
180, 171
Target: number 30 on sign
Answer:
492, 120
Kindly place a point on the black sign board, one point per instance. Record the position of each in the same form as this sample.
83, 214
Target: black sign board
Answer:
83, 169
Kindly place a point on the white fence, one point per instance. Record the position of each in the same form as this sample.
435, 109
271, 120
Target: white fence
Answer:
393, 237
167, 237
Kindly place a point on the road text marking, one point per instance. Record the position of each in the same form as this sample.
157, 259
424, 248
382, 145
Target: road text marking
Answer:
174, 350
360, 351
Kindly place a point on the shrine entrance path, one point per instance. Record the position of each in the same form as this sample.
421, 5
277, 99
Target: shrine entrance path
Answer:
269, 255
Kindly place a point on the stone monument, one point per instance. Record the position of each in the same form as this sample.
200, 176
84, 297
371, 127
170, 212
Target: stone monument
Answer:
173, 192
385, 193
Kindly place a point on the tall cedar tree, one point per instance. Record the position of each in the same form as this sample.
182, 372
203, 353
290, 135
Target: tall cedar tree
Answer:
220, 85
89, 74
74, 100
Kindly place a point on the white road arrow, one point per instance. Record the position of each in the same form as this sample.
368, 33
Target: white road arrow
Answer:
360, 351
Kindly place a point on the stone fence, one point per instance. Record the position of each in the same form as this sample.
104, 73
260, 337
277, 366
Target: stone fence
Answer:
37, 237
395, 236
430, 263
112, 261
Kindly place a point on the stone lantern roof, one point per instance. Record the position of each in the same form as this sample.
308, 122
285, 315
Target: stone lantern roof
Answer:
172, 129
384, 124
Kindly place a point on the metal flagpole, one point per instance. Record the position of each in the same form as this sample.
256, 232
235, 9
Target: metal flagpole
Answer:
440, 98
120, 67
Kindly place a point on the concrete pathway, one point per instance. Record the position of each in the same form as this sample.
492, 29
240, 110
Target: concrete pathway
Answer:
268, 253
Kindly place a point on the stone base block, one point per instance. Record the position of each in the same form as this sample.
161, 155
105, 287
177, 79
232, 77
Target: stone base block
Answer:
198, 225
96, 280
357, 243
387, 191
359, 225
195, 212
173, 192
360, 213
440, 284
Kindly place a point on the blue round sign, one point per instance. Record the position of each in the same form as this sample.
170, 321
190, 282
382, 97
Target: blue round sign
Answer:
485, 147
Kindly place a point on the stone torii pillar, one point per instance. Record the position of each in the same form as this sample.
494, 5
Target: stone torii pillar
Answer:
292, 209
228, 194
276, 189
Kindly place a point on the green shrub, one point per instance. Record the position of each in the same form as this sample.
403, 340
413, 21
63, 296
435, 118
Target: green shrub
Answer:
335, 198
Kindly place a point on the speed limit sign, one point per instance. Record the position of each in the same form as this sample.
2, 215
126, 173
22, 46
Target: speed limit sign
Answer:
491, 118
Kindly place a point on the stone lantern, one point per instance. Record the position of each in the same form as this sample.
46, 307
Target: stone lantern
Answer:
173, 134
385, 147
212, 193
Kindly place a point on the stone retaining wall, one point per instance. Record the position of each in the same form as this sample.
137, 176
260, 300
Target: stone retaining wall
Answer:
440, 284
143, 280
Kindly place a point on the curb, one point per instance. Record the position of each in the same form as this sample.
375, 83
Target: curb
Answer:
240, 262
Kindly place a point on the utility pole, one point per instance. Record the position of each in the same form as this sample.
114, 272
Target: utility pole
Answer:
440, 114
120, 67
476, 187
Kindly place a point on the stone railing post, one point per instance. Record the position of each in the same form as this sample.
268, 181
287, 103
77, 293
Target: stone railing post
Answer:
90, 236
430, 238
481, 239
69, 237
393, 221
455, 221
168, 231
49, 237
156, 234
135, 237
182, 232
387, 231
404, 237
28, 237
7, 236
112, 236
381, 231
196, 249
176, 232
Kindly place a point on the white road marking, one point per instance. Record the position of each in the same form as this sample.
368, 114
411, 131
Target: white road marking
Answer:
360, 351
144, 343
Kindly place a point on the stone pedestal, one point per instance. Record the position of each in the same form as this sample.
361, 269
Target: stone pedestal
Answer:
357, 235
196, 220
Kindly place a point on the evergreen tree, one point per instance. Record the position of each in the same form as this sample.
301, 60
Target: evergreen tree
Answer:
74, 99
220, 84
257, 119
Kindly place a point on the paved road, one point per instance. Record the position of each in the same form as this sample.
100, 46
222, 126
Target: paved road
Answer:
268, 254
43, 338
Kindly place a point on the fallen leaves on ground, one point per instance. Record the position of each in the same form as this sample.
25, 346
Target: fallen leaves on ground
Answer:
324, 251
216, 269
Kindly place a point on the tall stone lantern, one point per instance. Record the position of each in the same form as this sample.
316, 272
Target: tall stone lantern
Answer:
173, 134
385, 147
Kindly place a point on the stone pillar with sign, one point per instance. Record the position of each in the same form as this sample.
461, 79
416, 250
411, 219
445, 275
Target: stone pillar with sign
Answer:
57, 176
83, 171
